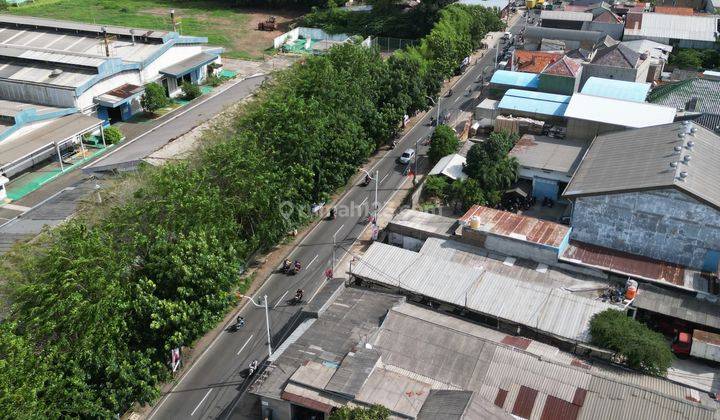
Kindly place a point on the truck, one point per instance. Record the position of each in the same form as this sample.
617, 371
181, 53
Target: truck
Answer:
701, 344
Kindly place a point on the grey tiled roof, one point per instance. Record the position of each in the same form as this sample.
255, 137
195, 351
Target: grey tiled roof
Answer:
640, 159
678, 95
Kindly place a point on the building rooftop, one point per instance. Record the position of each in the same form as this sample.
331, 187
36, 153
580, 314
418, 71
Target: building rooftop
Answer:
654, 49
566, 15
635, 266
33, 23
658, 25
566, 66
500, 4
617, 55
533, 61
675, 10
548, 153
451, 166
694, 95
616, 89
538, 33
680, 305
511, 225
515, 78
617, 112
534, 102
433, 365
607, 16
413, 221
635, 160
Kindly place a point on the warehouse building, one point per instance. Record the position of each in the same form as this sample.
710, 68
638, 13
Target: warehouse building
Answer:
680, 31
651, 192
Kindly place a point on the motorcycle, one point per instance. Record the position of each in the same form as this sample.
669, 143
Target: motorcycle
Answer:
366, 181
237, 325
296, 299
252, 367
331, 216
295, 268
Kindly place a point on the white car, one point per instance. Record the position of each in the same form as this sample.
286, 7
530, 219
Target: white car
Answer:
407, 156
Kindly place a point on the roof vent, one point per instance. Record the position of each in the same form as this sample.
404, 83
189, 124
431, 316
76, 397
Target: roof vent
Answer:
673, 164
685, 122
683, 175
132, 35
687, 158
678, 148
55, 73
693, 131
690, 144
681, 135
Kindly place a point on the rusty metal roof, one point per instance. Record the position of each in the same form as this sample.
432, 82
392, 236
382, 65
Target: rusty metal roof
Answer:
516, 226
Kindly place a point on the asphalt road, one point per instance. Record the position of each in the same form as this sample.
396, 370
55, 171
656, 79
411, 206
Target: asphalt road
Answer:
211, 388
128, 155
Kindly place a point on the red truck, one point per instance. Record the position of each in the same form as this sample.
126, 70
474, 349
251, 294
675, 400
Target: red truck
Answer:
699, 343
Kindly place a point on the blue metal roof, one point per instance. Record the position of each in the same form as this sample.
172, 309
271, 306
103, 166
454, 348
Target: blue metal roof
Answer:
534, 102
515, 78
617, 89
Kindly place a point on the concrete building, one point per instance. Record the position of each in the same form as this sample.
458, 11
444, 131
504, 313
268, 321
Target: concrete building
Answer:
658, 54
562, 19
616, 62
562, 77
548, 163
678, 31
651, 192
597, 19
589, 115
534, 37
695, 98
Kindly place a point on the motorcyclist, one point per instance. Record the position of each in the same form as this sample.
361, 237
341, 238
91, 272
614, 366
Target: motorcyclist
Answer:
253, 366
297, 266
286, 265
450, 92
299, 295
367, 179
240, 321
332, 213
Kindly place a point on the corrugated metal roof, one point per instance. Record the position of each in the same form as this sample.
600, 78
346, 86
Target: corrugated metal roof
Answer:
538, 33
504, 223
352, 373
618, 89
566, 15
549, 153
533, 61
640, 159
78, 26
566, 66
675, 10
188, 64
658, 25
617, 112
445, 404
515, 78
679, 305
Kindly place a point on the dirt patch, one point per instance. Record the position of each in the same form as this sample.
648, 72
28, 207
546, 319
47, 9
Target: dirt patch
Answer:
240, 27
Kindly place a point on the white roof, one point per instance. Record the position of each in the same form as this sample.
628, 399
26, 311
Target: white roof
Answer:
451, 166
566, 15
658, 25
617, 112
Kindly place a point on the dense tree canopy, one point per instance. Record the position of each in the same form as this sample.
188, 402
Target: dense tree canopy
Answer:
98, 303
489, 163
443, 142
374, 412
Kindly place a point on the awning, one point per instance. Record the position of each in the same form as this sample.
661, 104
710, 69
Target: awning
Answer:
189, 64
120, 95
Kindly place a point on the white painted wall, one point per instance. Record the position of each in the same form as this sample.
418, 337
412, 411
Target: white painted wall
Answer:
172, 56
86, 99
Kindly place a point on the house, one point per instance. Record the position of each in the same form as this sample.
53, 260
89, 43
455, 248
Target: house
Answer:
590, 115
547, 162
651, 192
658, 54
617, 62
533, 61
617, 89
679, 31
696, 98
598, 18
561, 77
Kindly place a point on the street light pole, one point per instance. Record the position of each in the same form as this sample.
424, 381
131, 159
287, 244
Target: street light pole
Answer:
377, 205
437, 109
416, 159
267, 318
333, 252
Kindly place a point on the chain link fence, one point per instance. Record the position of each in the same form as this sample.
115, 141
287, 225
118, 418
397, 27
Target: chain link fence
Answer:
387, 44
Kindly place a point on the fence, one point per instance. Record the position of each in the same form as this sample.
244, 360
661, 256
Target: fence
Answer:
386, 44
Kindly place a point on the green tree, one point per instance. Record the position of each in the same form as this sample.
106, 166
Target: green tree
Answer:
190, 90
113, 135
374, 412
489, 164
641, 347
436, 187
686, 58
154, 98
443, 142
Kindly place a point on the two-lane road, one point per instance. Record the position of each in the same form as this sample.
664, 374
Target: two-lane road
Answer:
211, 387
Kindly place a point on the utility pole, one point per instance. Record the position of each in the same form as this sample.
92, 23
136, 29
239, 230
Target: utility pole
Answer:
437, 110
377, 205
267, 318
416, 160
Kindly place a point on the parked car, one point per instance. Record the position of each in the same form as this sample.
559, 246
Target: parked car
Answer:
407, 156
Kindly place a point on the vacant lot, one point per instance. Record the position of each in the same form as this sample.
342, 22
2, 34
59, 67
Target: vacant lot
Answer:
223, 24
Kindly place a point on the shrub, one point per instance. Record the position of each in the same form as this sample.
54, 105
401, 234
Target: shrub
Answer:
436, 187
112, 135
374, 412
154, 98
444, 142
190, 90
641, 347
214, 80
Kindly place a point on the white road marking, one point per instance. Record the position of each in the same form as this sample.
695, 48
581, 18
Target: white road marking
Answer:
201, 401
280, 300
243, 346
383, 178
311, 262
363, 202
457, 99
322, 283
339, 229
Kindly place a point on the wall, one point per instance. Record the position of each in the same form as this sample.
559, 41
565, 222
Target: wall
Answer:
614, 30
531, 173
39, 94
405, 242
561, 85
587, 130
172, 56
87, 98
638, 74
664, 224
509, 246
275, 409
562, 24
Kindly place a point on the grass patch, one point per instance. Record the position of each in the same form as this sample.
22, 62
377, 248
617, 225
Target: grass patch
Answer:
221, 22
